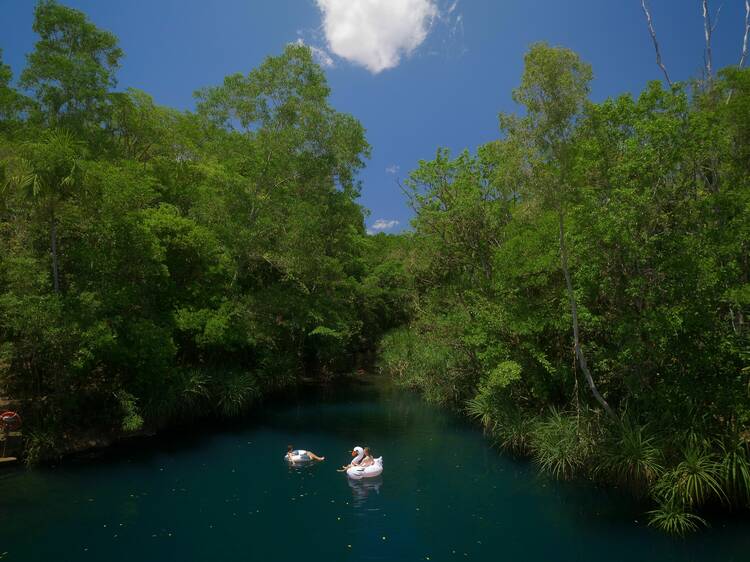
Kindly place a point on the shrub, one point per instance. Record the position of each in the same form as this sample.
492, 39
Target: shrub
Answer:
560, 445
734, 469
695, 479
40, 444
515, 430
131, 418
235, 393
630, 455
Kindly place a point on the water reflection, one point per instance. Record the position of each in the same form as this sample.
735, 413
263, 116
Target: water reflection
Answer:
363, 488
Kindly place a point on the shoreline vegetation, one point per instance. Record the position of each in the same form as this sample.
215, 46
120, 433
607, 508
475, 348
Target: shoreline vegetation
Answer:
158, 265
580, 287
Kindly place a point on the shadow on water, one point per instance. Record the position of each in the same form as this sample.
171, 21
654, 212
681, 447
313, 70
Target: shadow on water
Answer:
295, 402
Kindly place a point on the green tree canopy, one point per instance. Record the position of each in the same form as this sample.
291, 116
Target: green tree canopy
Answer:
72, 67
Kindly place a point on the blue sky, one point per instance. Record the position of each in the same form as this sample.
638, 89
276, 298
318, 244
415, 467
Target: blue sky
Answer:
464, 58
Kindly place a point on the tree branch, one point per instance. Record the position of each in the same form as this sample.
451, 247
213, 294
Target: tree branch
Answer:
747, 31
707, 30
744, 44
652, 31
716, 19
574, 317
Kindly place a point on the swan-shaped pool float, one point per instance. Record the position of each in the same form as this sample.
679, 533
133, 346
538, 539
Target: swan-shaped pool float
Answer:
357, 472
298, 456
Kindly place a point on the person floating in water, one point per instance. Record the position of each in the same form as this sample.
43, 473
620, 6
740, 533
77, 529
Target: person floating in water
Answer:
300, 455
368, 460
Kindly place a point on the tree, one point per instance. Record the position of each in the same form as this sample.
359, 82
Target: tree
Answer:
72, 67
46, 172
293, 161
554, 88
11, 102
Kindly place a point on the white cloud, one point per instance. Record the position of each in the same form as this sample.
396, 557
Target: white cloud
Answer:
381, 225
321, 56
392, 169
376, 33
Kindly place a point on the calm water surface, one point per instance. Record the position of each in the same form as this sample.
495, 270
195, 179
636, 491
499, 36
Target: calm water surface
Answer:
224, 493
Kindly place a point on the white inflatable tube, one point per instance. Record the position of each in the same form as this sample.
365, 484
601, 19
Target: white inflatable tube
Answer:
298, 456
359, 472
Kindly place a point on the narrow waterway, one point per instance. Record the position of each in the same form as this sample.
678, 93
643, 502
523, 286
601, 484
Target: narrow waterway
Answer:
225, 493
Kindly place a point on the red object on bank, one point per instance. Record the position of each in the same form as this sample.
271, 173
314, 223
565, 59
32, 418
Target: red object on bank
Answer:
11, 421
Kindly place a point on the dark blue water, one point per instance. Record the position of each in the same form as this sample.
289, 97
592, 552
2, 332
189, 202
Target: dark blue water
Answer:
224, 493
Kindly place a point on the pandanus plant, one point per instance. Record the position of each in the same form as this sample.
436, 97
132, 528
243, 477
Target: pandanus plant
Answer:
631, 456
45, 172
686, 487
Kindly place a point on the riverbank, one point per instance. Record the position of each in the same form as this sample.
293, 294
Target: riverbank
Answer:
91, 441
681, 481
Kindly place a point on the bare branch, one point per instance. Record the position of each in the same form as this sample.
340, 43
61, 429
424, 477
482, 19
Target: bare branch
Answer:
410, 197
747, 31
744, 43
652, 31
716, 19
707, 29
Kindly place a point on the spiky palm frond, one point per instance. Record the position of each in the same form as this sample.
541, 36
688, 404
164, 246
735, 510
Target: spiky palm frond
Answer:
672, 518
481, 409
559, 445
46, 166
694, 480
236, 392
194, 386
20, 175
735, 470
514, 433
630, 454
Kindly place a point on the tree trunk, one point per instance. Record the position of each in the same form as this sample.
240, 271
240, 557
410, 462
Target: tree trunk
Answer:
53, 245
574, 314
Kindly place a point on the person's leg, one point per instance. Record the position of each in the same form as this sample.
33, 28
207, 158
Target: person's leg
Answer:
315, 457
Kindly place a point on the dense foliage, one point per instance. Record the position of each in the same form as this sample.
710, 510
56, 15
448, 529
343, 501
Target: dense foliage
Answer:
155, 263
582, 285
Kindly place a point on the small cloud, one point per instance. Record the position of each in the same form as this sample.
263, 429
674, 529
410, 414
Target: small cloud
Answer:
321, 56
376, 33
392, 169
381, 225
